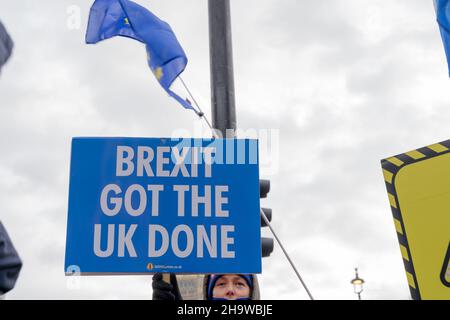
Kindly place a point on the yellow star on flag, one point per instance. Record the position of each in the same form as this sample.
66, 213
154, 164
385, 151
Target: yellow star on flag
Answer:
158, 73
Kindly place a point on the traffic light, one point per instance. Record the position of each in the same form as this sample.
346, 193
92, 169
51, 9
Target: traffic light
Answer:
266, 243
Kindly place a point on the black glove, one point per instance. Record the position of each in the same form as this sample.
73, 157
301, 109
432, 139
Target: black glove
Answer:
6, 45
10, 263
163, 290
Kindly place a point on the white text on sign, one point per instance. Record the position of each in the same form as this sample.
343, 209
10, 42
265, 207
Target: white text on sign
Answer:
137, 200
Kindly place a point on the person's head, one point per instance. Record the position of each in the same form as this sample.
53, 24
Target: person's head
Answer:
230, 287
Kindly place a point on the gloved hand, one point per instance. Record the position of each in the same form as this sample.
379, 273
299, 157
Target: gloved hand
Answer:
163, 290
10, 263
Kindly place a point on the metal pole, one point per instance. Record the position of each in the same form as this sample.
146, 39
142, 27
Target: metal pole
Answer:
221, 63
263, 215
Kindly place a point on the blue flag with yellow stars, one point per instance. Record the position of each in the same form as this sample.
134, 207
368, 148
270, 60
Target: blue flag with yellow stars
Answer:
443, 18
165, 56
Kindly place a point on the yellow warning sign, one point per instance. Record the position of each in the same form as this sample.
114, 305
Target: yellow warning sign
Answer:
418, 186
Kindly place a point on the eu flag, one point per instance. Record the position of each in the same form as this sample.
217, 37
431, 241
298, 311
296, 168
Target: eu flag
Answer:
443, 18
165, 56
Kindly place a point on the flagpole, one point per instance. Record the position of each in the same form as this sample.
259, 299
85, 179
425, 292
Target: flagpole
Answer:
200, 112
266, 220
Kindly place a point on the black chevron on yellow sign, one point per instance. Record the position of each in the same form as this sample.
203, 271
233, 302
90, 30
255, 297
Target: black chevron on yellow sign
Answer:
445, 273
418, 187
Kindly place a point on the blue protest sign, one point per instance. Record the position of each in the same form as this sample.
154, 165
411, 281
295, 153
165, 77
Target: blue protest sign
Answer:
146, 205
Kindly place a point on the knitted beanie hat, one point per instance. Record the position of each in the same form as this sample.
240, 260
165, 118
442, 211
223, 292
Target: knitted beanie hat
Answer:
214, 277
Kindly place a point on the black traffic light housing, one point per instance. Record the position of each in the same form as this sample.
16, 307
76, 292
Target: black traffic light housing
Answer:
266, 243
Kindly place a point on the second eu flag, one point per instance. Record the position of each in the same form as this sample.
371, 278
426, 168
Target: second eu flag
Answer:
165, 56
443, 18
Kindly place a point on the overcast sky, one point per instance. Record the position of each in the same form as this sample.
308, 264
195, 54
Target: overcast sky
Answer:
343, 83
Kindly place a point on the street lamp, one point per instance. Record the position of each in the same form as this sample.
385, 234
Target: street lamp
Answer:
357, 284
